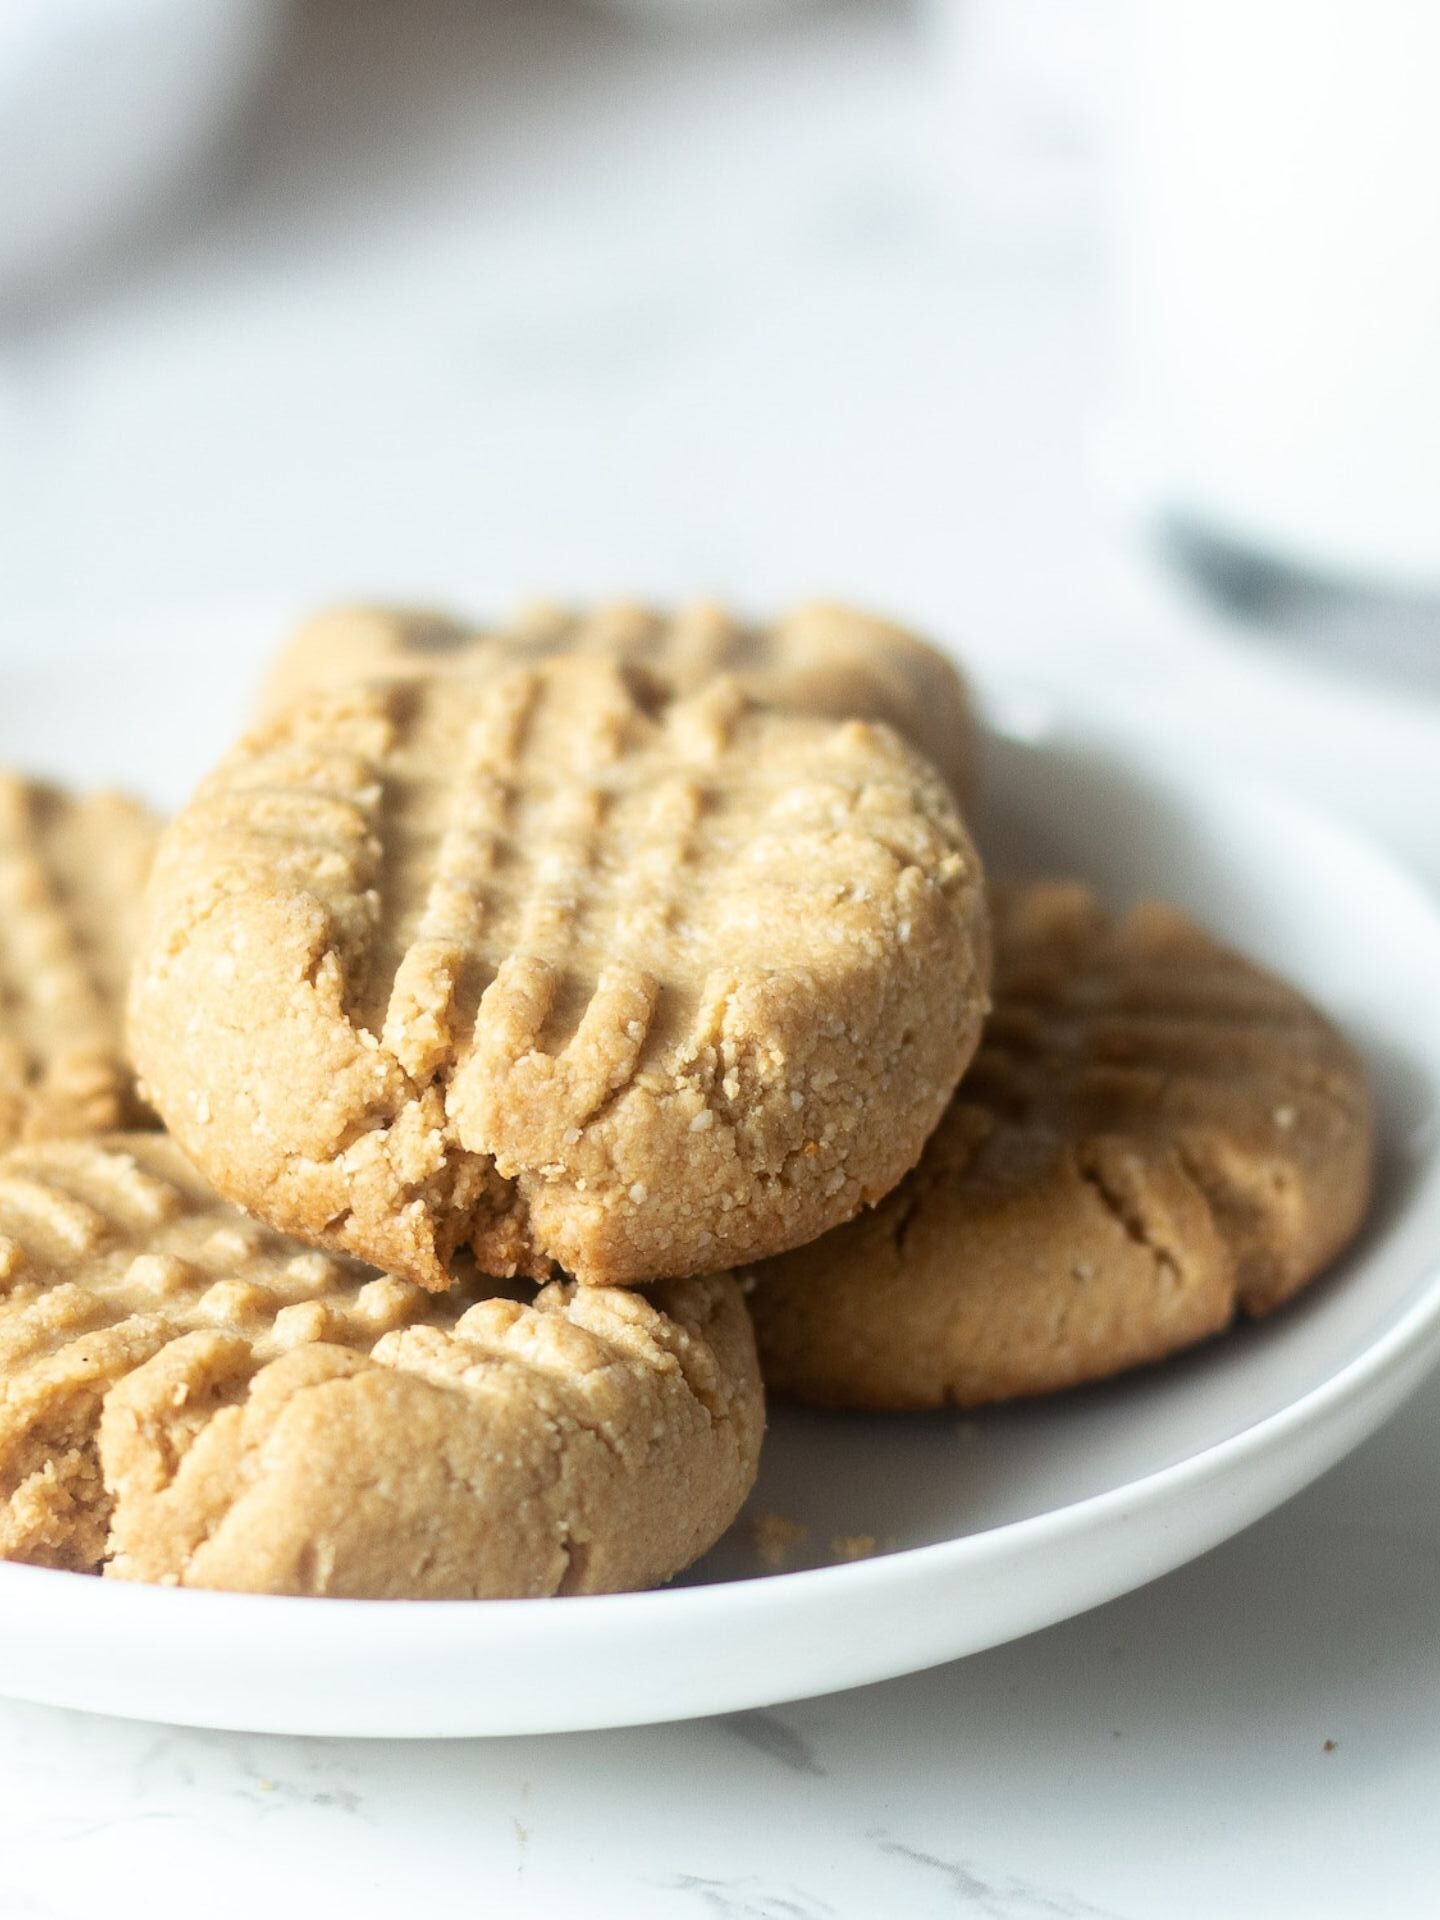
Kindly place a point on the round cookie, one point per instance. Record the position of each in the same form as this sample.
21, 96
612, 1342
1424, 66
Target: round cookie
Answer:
189, 1398
561, 969
1153, 1135
818, 659
72, 871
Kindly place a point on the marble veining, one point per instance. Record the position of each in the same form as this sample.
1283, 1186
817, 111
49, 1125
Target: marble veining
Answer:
749, 1899
996, 1897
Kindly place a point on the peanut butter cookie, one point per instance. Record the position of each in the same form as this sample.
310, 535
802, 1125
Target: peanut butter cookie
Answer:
189, 1398
72, 871
562, 969
818, 659
1153, 1135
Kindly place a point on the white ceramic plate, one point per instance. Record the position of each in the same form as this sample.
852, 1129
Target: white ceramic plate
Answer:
991, 1526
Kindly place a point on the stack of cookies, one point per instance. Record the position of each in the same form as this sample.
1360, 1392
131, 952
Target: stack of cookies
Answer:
558, 1031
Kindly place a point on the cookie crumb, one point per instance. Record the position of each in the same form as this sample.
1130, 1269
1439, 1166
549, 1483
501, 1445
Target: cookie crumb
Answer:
852, 1546
1329, 1746
773, 1536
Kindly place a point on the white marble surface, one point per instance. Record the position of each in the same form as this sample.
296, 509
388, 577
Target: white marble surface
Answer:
499, 297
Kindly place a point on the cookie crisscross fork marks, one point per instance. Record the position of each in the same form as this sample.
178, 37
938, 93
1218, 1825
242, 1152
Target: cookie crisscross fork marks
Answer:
547, 918
559, 1033
818, 659
490, 849
53, 1023
186, 1396
130, 1213
1154, 1136
490, 853
70, 875
306, 812
433, 945
1144, 1027
112, 1252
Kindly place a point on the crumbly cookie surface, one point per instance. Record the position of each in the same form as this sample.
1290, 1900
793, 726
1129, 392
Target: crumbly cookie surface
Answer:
560, 969
820, 659
72, 871
1153, 1135
189, 1398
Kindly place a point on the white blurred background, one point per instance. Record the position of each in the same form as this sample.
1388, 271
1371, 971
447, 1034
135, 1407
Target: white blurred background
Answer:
1039, 322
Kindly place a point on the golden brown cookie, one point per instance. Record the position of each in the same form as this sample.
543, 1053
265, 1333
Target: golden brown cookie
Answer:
189, 1398
72, 872
818, 659
1153, 1134
532, 963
